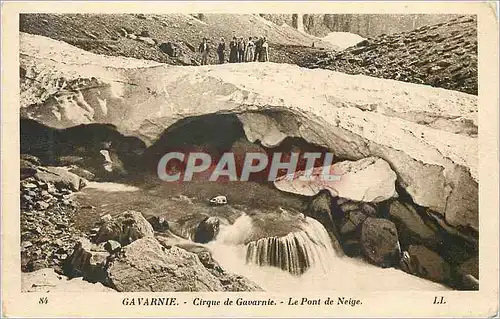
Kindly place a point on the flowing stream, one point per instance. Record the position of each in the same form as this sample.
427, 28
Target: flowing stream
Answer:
304, 261
279, 251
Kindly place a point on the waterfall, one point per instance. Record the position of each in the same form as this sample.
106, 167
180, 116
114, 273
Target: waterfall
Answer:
300, 22
303, 261
295, 252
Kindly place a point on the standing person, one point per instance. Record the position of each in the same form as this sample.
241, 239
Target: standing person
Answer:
264, 54
258, 48
250, 51
221, 48
241, 50
233, 51
204, 50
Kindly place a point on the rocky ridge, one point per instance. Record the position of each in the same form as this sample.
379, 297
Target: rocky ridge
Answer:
171, 38
442, 55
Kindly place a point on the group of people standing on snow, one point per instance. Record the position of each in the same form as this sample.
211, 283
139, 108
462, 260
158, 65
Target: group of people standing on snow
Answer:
255, 49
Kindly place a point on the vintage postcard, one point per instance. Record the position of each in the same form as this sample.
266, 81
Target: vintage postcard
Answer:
246, 159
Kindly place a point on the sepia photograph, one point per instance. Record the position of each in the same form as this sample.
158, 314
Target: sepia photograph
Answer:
276, 153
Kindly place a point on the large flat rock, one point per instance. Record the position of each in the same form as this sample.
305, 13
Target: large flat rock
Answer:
427, 135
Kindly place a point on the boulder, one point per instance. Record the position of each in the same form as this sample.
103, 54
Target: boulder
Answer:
47, 280
60, 177
159, 223
352, 222
379, 241
33, 160
427, 264
83, 173
347, 206
207, 230
169, 48
411, 227
145, 265
230, 281
112, 246
425, 134
370, 180
125, 228
88, 261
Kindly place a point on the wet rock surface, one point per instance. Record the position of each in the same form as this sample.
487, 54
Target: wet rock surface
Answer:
428, 264
411, 227
380, 242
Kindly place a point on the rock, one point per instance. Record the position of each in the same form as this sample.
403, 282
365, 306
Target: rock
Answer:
470, 266
26, 244
467, 274
379, 240
420, 131
112, 246
28, 185
230, 282
347, 206
203, 253
131, 36
47, 280
88, 260
411, 227
90, 35
27, 169
83, 173
60, 177
369, 180
125, 228
159, 223
146, 40
40, 205
169, 48
427, 264
34, 265
123, 32
352, 247
352, 222
145, 265
320, 208
145, 33
106, 218
207, 230
33, 160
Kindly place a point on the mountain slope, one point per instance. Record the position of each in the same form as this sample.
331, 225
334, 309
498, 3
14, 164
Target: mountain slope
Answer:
107, 33
442, 55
